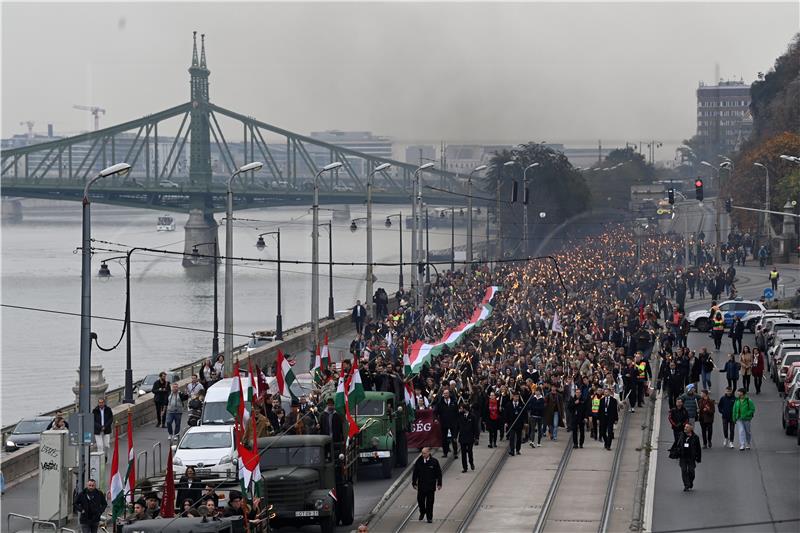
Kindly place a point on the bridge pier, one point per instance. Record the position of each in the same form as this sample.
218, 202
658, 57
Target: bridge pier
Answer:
11, 210
199, 229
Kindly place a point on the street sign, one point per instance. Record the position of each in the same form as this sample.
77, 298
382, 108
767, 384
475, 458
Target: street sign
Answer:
768, 293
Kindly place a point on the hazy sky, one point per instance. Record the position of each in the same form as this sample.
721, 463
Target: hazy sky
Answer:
415, 71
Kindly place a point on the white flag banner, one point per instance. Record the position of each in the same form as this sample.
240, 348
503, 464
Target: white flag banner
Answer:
556, 325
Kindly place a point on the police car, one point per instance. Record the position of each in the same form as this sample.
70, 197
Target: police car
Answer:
749, 311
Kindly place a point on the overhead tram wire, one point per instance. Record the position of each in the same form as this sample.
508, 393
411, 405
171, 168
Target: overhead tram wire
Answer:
349, 263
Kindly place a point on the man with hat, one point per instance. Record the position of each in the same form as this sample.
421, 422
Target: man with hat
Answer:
153, 509
330, 423
235, 506
139, 510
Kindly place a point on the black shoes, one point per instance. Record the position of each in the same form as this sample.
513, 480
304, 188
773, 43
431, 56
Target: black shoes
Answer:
430, 520
472, 467
463, 471
421, 517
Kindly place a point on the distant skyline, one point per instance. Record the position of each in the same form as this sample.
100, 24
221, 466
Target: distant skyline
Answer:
417, 72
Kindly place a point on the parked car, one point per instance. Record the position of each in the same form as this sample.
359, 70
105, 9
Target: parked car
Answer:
168, 184
792, 373
209, 449
774, 353
259, 339
342, 188
146, 385
772, 313
783, 367
749, 311
791, 404
28, 431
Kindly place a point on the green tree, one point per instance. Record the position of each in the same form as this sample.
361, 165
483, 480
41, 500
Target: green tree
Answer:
775, 97
610, 180
555, 186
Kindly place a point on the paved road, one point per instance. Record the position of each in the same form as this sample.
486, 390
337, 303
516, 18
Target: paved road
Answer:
733, 488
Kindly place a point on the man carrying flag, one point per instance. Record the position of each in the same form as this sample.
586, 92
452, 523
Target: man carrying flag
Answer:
321, 363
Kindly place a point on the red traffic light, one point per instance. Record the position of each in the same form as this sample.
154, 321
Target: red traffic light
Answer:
698, 183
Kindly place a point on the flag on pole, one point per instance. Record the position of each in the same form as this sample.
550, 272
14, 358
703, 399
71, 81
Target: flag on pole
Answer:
411, 400
249, 397
352, 425
130, 475
117, 488
325, 355
355, 389
285, 376
168, 501
407, 372
556, 325
235, 393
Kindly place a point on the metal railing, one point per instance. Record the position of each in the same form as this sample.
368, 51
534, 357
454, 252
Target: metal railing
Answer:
15, 515
157, 457
42, 523
139, 470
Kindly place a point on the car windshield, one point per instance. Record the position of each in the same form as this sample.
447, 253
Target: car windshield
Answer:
784, 327
149, 380
206, 441
370, 408
294, 456
217, 413
791, 358
31, 426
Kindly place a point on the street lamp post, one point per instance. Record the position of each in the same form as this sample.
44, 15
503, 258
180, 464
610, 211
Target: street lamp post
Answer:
717, 211
469, 214
84, 369
370, 272
767, 224
228, 340
261, 245
417, 237
498, 247
330, 268
388, 224
315, 254
525, 206
195, 256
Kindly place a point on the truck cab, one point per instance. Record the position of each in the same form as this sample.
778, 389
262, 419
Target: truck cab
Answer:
383, 432
308, 479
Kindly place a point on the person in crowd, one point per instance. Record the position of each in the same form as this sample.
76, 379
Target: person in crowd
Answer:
447, 413
468, 435
493, 418
357, 316
736, 334
678, 418
235, 508
153, 503
757, 369
580, 415
514, 421
195, 387
103, 422
426, 479
706, 410
746, 364
174, 411
609, 415
536, 418
743, 411
690, 402
190, 487
219, 367
725, 408
89, 505
707, 365
161, 390
690, 455
717, 329
731, 371
58, 422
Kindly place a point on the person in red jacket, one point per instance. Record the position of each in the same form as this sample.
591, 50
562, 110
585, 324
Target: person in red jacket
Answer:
758, 368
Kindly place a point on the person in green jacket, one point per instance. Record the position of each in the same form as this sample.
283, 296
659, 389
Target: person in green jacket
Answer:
743, 410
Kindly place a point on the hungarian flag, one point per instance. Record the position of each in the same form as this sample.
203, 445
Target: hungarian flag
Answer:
117, 488
235, 393
325, 356
411, 400
285, 376
556, 325
249, 396
321, 362
130, 476
355, 391
407, 371
168, 501
261, 385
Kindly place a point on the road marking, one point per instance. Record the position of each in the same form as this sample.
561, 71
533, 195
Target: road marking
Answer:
650, 491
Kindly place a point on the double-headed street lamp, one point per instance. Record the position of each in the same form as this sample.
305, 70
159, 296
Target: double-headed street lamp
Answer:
196, 257
315, 257
416, 248
260, 244
469, 213
370, 274
452, 234
791, 158
498, 247
525, 198
85, 428
229, 266
388, 224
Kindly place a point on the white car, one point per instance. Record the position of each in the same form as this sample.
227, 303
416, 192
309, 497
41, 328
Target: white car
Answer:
749, 311
168, 184
209, 449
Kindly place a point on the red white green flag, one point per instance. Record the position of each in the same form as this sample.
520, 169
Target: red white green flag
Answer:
117, 487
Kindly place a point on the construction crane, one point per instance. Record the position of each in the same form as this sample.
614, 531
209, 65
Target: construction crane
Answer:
95, 111
29, 124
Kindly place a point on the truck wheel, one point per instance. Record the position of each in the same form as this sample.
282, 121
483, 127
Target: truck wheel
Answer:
703, 325
346, 505
328, 525
402, 450
386, 467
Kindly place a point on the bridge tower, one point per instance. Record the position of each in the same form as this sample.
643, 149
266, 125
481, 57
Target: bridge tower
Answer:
201, 226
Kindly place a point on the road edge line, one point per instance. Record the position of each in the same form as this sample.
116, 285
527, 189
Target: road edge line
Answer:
649, 497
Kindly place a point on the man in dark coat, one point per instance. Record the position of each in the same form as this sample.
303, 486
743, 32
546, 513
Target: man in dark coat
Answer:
447, 412
609, 415
358, 315
161, 398
578, 406
330, 423
515, 416
689, 455
737, 334
90, 503
427, 479
103, 422
468, 432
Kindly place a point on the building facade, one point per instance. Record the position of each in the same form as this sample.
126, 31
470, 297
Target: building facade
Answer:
723, 114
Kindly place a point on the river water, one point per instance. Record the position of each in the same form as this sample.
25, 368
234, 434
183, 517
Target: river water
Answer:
40, 351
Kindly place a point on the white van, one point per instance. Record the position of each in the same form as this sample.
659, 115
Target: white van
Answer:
215, 406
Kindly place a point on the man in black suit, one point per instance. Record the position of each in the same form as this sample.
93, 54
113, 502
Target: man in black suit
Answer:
330, 423
578, 408
468, 431
609, 415
427, 479
447, 412
515, 418
358, 315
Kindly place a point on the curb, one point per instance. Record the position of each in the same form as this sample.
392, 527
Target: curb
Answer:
390, 492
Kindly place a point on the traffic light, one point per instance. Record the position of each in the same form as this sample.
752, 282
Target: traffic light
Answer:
671, 195
728, 205
698, 189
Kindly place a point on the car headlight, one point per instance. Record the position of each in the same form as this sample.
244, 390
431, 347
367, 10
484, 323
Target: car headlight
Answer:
177, 460
11, 444
375, 442
225, 459
318, 504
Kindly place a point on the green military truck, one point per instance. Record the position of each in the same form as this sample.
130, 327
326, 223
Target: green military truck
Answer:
308, 480
382, 439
